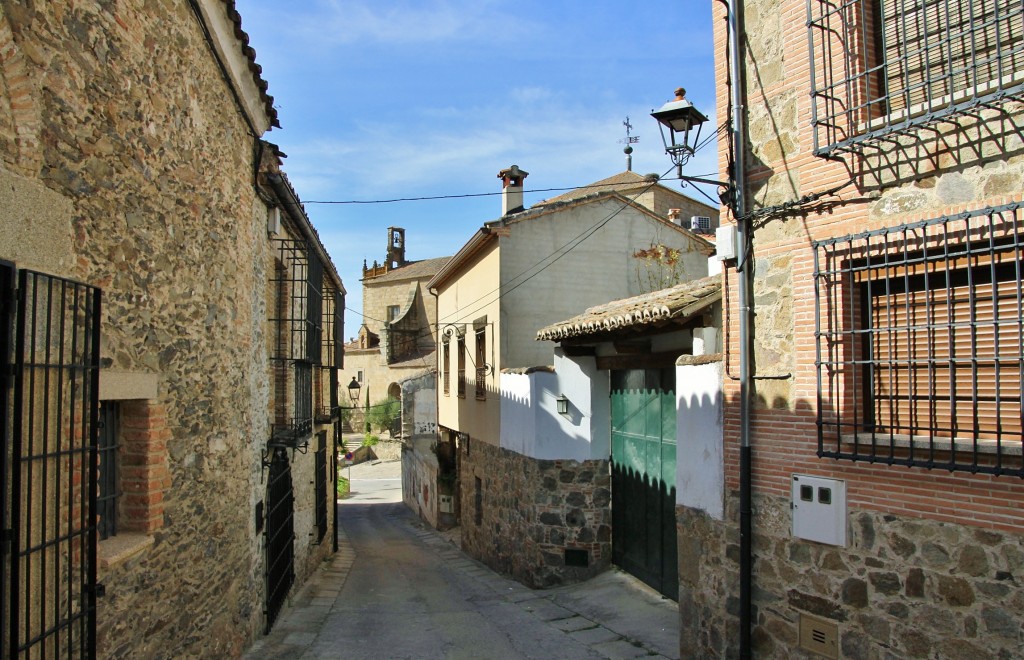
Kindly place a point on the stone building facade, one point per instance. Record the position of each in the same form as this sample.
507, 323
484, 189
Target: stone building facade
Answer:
928, 546
396, 340
119, 172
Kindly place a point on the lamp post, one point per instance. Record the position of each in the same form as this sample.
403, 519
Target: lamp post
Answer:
353, 390
680, 118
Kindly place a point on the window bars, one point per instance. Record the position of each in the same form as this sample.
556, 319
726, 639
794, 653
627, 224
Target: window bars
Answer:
326, 388
881, 68
296, 321
918, 337
109, 470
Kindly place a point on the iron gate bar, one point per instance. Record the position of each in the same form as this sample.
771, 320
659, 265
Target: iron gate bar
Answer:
60, 554
8, 305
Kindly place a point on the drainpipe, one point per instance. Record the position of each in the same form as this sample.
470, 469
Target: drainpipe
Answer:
745, 272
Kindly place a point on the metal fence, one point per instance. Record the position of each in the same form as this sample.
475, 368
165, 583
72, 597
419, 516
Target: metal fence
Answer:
49, 421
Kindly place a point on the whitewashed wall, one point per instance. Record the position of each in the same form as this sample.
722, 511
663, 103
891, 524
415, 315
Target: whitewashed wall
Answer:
700, 462
531, 425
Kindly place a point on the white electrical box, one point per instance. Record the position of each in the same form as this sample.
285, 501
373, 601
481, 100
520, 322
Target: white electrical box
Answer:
274, 221
725, 243
819, 509
444, 504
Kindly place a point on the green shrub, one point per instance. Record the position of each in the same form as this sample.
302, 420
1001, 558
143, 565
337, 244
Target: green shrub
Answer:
370, 440
383, 415
343, 487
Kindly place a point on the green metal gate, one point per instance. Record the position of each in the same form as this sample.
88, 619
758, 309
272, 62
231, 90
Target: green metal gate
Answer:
644, 476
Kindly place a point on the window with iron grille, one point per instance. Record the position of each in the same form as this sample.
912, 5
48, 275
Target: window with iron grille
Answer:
919, 344
481, 361
296, 330
326, 386
888, 66
109, 450
461, 351
446, 369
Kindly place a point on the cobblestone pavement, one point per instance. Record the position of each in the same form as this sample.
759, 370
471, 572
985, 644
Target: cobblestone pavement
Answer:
399, 589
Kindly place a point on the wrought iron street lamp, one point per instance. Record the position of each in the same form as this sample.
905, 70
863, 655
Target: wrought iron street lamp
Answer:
353, 389
677, 120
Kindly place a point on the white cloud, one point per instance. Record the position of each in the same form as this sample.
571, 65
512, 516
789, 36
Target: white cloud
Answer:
345, 22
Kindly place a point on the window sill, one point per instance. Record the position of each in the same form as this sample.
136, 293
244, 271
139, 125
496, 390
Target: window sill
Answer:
930, 443
120, 548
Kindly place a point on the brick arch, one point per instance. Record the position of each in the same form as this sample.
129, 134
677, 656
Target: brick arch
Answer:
20, 121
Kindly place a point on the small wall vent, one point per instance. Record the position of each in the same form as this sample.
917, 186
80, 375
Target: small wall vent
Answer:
819, 635
577, 557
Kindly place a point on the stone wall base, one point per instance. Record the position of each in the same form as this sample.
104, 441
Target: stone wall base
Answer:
542, 522
903, 587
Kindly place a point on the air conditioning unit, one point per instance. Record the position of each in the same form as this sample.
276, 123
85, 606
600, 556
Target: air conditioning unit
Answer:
700, 224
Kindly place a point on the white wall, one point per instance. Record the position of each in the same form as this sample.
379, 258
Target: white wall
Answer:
700, 461
531, 425
599, 270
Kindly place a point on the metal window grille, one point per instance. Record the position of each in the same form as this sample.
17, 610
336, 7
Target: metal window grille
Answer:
481, 363
887, 67
109, 496
49, 419
326, 390
919, 344
446, 366
297, 329
461, 350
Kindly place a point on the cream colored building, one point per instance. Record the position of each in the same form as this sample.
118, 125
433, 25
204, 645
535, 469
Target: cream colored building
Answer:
526, 270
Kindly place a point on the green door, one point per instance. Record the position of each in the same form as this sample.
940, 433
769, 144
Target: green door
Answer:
644, 476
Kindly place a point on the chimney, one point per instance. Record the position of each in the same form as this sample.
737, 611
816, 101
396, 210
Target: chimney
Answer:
673, 216
512, 189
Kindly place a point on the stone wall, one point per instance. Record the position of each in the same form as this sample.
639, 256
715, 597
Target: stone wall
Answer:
520, 515
903, 588
143, 181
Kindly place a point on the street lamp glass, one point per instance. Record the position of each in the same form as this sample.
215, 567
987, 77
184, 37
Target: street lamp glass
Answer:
353, 389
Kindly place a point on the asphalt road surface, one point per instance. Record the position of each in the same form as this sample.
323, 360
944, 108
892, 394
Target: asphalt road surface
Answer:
398, 589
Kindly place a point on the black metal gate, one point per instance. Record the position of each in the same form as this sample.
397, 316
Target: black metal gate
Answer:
320, 485
49, 366
280, 534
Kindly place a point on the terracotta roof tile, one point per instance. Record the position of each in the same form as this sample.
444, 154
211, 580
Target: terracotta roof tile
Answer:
678, 302
412, 270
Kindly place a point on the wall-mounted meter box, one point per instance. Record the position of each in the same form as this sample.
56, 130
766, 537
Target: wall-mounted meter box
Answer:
725, 243
819, 509
445, 504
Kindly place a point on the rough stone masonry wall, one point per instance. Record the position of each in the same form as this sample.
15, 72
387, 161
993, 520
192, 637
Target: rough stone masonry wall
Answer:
903, 588
531, 511
156, 172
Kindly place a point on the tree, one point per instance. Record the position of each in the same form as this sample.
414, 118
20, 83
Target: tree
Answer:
384, 415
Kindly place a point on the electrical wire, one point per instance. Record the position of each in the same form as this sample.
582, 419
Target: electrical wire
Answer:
526, 274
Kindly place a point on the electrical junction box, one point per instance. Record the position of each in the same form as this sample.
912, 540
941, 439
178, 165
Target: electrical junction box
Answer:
444, 504
819, 509
725, 243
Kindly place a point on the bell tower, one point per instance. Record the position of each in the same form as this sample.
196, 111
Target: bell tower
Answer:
396, 248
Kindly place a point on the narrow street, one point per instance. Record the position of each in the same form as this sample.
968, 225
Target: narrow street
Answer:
398, 589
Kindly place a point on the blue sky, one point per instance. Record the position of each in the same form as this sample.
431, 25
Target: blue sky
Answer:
386, 99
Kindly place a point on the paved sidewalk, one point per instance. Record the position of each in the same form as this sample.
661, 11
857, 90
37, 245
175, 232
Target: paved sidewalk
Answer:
610, 616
